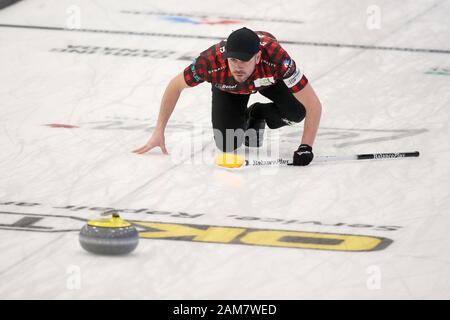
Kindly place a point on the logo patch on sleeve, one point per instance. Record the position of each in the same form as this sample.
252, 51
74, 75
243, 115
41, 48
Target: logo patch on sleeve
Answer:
194, 72
294, 78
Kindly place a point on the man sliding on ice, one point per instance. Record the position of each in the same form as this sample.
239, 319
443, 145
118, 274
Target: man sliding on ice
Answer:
246, 63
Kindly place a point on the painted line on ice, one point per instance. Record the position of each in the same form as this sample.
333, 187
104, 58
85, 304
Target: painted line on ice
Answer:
190, 36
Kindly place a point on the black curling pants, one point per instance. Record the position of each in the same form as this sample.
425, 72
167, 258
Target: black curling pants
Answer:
229, 113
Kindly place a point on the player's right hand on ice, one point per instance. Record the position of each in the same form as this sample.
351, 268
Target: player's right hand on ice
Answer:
156, 140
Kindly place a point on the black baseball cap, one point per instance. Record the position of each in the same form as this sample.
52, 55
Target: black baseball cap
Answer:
242, 44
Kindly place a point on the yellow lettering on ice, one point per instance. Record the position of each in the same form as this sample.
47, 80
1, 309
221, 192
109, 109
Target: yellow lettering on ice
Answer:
209, 234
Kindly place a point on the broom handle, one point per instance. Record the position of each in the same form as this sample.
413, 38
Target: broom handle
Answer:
365, 156
370, 156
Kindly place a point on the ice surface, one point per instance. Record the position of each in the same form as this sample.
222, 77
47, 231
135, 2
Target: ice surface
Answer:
389, 95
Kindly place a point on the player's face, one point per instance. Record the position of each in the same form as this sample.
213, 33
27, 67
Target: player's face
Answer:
242, 70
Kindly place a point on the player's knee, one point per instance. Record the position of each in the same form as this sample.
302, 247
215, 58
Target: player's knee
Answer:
296, 114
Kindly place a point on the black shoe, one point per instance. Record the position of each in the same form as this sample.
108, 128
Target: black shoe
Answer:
254, 134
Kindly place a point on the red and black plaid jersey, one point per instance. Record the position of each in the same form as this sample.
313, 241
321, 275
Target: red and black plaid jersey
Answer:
275, 65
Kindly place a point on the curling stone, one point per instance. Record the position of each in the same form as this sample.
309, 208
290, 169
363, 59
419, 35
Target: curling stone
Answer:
113, 236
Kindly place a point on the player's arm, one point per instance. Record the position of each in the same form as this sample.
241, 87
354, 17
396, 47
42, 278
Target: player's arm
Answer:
168, 103
169, 100
311, 102
308, 98
304, 93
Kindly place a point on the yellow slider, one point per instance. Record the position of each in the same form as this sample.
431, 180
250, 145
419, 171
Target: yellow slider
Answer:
229, 160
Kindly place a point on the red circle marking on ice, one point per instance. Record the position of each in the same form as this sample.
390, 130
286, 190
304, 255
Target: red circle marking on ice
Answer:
60, 125
206, 21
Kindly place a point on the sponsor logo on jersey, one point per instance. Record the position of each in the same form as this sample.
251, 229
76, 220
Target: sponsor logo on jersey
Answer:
225, 86
216, 70
264, 82
270, 64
